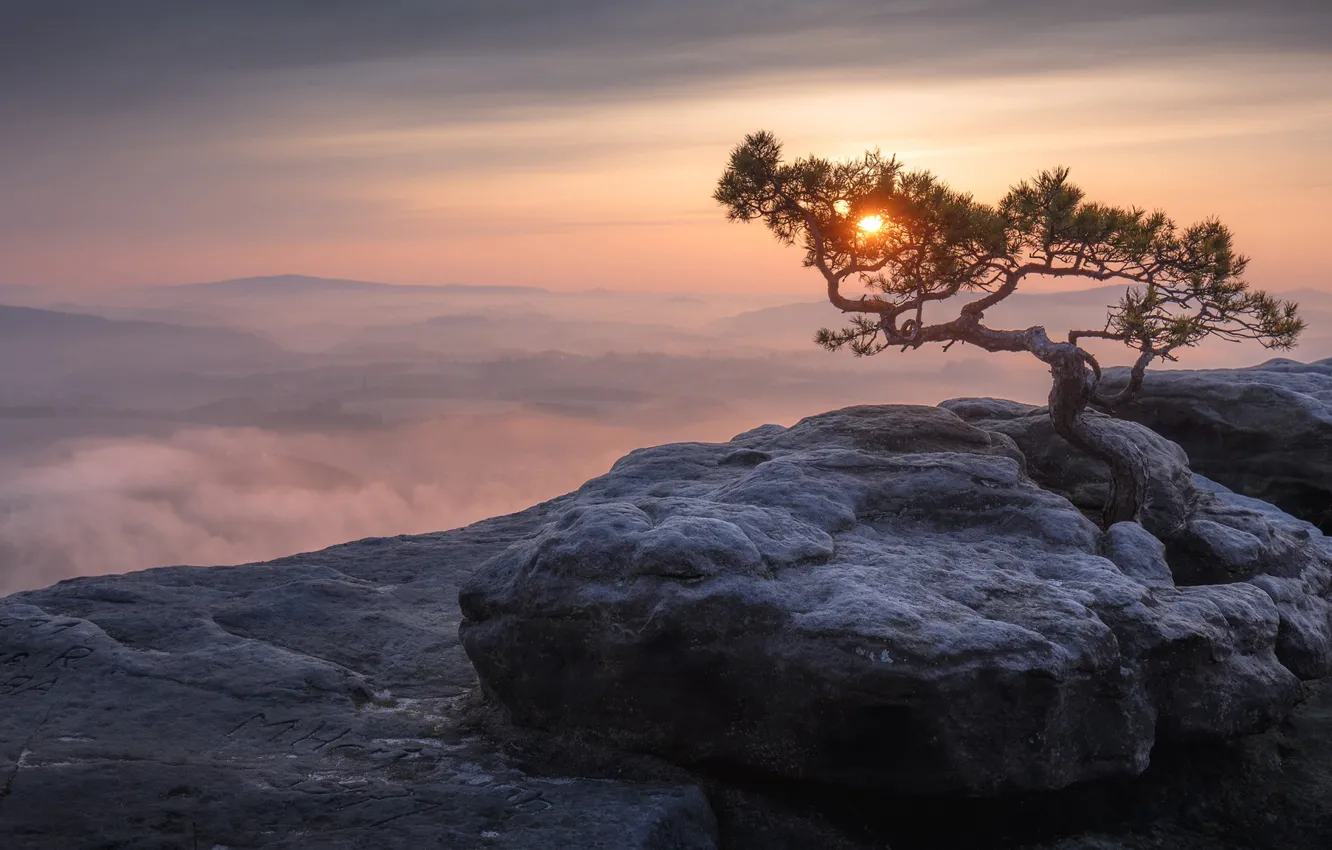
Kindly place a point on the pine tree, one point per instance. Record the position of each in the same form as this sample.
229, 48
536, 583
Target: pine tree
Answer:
911, 240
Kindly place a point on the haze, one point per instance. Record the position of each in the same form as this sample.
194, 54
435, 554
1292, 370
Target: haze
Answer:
534, 181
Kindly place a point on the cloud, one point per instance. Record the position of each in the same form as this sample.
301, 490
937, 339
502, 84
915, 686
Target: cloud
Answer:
225, 496
135, 49
393, 139
210, 495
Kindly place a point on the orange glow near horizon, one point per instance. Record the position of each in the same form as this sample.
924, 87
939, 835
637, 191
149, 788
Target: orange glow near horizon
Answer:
617, 194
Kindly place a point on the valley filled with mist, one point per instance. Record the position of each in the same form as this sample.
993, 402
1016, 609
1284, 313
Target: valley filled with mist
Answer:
244, 420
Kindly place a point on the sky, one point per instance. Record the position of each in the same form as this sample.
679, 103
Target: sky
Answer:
575, 144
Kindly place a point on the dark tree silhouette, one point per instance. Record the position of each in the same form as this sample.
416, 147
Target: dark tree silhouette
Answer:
912, 241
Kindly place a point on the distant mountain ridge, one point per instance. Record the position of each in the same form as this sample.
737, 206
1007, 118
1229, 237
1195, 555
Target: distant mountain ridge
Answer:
17, 321
298, 284
33, 342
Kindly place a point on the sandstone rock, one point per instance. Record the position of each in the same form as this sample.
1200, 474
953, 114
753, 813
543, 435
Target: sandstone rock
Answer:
312, 702
320, 700
881, 597
1082, 479
1138, 554
1265, 431
1295, 570
1210, 534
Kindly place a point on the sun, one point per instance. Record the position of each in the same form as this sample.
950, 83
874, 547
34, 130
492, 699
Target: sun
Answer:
871, 223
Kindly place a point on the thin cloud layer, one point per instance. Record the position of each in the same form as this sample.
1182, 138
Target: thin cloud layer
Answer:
413, 141
398, 425
226, 496
69, 40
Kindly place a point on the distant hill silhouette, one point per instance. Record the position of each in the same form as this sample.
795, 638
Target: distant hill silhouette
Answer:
801, 318
296, 284
33, 341
17, 322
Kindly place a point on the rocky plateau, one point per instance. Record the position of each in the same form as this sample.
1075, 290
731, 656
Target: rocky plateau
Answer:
884, 626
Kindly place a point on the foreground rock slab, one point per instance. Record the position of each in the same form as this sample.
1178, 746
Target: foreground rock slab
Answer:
1264, 431
312, 702
882, 597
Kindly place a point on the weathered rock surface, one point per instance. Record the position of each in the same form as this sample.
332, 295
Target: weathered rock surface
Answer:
880, 597
875, 597
312, 702
1081, 479
1207, 533
1264, 431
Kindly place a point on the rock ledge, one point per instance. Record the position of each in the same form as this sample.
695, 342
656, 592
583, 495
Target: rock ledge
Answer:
882, 597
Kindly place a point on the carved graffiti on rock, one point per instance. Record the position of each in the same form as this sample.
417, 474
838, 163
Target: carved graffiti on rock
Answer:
30, 673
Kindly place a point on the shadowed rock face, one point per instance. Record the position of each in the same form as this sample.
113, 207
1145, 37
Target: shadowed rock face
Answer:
1264, 431
881, 597
1080, 478
877, 596
1206, 533
312, 702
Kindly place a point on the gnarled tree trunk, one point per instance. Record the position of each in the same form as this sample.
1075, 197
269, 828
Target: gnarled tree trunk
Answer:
1070, 395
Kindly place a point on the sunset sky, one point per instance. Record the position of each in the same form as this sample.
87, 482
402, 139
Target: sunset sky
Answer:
575, 144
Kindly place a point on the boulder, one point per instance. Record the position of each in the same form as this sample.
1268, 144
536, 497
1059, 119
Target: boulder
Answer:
316, 701
1264, 431
1080, 478
883, 598
793, 582
1206, 533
